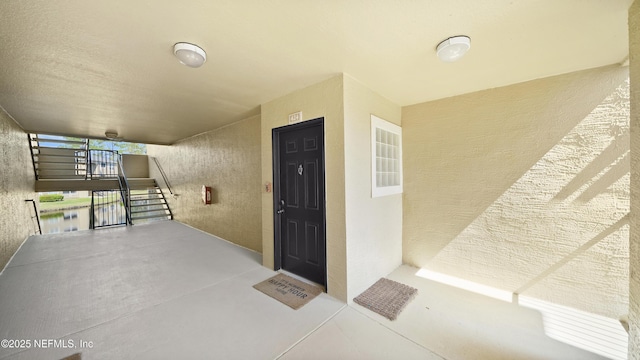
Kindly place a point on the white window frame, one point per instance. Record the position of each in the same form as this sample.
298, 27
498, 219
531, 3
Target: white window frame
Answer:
386, 158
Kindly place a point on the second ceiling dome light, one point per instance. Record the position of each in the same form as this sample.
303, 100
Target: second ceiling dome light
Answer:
453, 48
190, 54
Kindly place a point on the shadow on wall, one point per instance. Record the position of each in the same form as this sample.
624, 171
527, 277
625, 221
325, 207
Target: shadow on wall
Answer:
560, 230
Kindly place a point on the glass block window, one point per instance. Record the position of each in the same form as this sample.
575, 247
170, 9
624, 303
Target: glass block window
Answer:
386, 157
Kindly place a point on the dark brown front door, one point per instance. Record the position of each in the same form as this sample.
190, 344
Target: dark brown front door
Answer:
299, 200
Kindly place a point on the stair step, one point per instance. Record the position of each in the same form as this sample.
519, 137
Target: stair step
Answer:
73, 168
150, 206
134, 208
150, 217
58, 148
60, 177
64, 173
45, 155
60, 166
50, 136
58, 141
103, 176
143, 186
150, 197
145, 196
148, 211
37, 161
70, 171
147, 204
145, 191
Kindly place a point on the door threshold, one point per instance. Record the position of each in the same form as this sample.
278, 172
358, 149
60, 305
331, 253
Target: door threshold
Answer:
298, 277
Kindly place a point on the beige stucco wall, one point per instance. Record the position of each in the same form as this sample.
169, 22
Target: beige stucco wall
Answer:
373, 225
135, 166
525, 188
16, 185
324, 99
634, 261
228, 160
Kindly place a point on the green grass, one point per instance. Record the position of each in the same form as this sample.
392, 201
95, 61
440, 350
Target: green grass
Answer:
51, 197
66, 203
50, 215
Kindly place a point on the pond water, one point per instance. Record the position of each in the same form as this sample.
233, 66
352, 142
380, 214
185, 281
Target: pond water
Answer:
66, 220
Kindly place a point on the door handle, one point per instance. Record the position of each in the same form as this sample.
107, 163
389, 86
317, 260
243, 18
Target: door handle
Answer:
281, 210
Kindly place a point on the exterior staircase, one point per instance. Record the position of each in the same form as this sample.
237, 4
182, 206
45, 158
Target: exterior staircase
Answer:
59, 158
147, 201
68, 164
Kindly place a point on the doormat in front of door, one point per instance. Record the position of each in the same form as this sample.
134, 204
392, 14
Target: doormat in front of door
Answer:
289, 291
386, 297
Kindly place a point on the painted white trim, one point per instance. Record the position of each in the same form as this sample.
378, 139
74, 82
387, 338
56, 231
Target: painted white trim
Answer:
379, 123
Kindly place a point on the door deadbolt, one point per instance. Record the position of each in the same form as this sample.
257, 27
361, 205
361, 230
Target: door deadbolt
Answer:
300, 169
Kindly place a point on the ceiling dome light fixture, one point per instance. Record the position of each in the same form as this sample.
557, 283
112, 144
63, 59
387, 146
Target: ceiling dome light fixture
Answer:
111, 135
189, 54
453, 48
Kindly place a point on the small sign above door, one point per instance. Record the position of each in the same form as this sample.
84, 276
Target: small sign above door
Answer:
295, 117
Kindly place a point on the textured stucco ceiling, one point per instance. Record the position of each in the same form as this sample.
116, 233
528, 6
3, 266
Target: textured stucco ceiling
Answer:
81, 67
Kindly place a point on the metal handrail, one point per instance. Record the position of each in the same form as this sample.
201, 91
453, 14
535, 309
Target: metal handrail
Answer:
125, 191
164, 176
35, 209
88, 174
87, 159
92, 212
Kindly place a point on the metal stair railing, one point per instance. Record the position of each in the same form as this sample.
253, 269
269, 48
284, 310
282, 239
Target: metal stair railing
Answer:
92, 218
106, 209
103, 164
109, 207
37, 215
125, 190
164, 176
